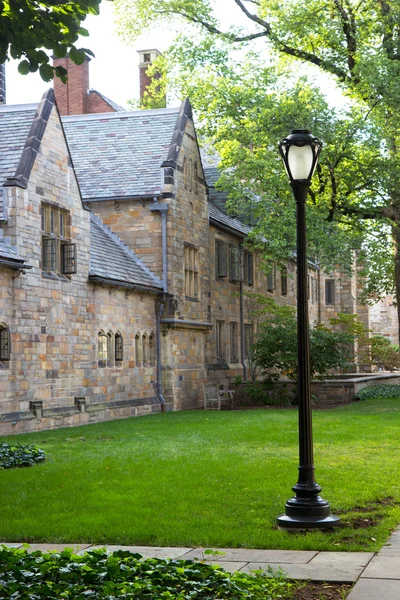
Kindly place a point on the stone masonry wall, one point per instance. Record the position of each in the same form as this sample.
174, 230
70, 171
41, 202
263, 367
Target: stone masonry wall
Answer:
137, 226
54, 321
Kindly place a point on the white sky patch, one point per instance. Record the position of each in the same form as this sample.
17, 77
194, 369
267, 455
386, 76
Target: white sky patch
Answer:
114, 71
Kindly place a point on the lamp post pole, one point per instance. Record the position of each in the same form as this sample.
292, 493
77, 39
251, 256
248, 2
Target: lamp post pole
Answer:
306, 509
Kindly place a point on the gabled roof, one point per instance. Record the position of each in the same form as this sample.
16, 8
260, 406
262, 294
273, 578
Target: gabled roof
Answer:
15, 124
113, 262
218, 218
119, 155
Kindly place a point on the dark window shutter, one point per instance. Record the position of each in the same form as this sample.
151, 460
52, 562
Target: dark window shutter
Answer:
69, 262
250, 270
221, 262
271, 279
5, 350
284, 286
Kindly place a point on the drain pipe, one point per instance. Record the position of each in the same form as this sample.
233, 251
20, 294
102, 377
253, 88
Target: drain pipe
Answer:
159, 311
163, 210
242, 340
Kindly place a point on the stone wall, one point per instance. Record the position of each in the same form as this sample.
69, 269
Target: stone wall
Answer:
55, 320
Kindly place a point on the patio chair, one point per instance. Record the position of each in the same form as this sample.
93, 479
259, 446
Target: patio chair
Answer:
215, 398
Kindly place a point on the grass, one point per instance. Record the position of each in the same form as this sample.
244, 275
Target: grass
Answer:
213, 479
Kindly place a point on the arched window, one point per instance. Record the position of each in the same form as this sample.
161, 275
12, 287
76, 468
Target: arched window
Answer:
102, 349
152, 350
185, 173
119, 348
5, 343
190, 175
145, 345
138, 350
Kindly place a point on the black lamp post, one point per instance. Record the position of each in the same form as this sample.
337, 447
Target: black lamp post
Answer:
300, 152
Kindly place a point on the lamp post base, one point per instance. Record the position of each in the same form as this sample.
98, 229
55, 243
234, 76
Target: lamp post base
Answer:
286, 523
311, 512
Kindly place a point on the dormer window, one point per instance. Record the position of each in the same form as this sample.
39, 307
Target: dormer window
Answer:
58, 254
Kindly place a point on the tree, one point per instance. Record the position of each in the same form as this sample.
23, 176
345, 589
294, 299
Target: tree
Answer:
275, 348
358, 43
29, 27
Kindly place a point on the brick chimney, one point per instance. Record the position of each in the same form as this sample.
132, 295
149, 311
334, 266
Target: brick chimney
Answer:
71, 97
146, 58
2, 84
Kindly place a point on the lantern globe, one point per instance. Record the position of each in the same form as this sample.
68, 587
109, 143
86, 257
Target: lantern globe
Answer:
300, 152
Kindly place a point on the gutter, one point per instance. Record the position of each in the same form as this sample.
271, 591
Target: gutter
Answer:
230, 230
123, 284
14, 265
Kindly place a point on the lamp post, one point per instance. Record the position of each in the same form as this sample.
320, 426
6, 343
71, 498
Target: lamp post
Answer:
300, 152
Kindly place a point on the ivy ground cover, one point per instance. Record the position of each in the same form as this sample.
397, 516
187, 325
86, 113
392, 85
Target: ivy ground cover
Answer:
211, 479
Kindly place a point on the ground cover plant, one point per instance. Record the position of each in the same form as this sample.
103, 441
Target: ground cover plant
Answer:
19, 455
211, 479
97, 575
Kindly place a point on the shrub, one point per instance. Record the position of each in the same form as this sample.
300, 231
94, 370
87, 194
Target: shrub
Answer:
378, 391
276, 348
19, 455
384, 353
97, 575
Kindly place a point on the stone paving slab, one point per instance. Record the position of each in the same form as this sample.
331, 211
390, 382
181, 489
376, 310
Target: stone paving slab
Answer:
149, 551
57, 547
231, 566
247, 555
310, 572
11, 544
383, 567
375, 589
343, 559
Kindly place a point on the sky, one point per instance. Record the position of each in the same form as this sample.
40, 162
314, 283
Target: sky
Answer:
114, 71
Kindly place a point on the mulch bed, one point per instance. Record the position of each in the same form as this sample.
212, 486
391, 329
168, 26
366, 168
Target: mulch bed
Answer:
323, 591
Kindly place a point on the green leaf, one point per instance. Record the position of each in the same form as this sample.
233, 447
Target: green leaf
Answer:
46, 72
24, 67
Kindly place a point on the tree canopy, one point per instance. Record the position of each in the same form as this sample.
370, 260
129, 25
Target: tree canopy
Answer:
358, 44
32, 29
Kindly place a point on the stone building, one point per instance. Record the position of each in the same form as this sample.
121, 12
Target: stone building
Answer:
123, 279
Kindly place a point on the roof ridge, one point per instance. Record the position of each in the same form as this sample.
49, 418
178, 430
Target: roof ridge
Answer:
125, 248
18, 107
121, 114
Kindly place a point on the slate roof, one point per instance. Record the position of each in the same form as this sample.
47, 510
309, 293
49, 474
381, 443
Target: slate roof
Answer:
111, 260
119, 155
221, 218
15, 124
7, 252
216, 195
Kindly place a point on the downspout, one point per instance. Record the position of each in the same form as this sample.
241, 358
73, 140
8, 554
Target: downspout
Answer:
241, 318
242, 344
159, 311
163, 210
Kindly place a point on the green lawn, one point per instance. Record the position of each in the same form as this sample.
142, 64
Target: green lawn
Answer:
215, 479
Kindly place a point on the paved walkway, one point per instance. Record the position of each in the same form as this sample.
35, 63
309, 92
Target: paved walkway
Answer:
377, 575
